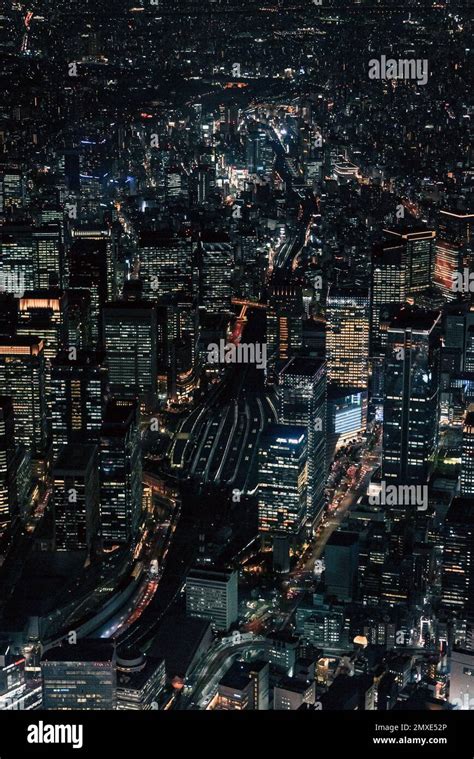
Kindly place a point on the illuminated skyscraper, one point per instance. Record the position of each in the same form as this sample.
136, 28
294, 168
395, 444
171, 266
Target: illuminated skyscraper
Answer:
453, 250
12, 188
120, 472
37, 251
456, 228
76, 498
388, 286
16, 245
140, 680
102, 238
411, 399
457, 577
79, 384
42, 313
448, 262
88, 271
282, 481
458, 348
165, 264
258, 151
80, 676
79, 319
302, 402
213, 595
244, 687
284, 321
213, 270
346, 415
130, 340
178, 331
467, 455
348, 337
8, 487
22, 376
419, 257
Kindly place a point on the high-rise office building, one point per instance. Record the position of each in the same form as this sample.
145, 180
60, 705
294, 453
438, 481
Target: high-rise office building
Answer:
284, 321
178, 332
8, 486
79, 319
76, 497
291, 694
388, 286
457, 228
165, 264
202, 182
213, 270
302, 402
140, 680
245, 686
258, 151
454, 246
411, 396
341, 560
22, 376
78, 390
43, 314
12, 188
130, 340
120, 472
448, 263
80, 676
282, 481
457, 574
419, 257
346, 415
48, 253
467, 454
35, 252
458, 345
87, 261
102, 239
348, 337
213, 595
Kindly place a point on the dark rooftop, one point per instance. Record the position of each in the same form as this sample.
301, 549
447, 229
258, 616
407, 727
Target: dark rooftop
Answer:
85, 650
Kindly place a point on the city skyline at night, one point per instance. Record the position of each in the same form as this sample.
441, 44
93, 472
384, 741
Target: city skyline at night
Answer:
236, 357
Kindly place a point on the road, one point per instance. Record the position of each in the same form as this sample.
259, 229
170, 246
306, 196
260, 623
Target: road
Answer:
334, 522
206, 677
